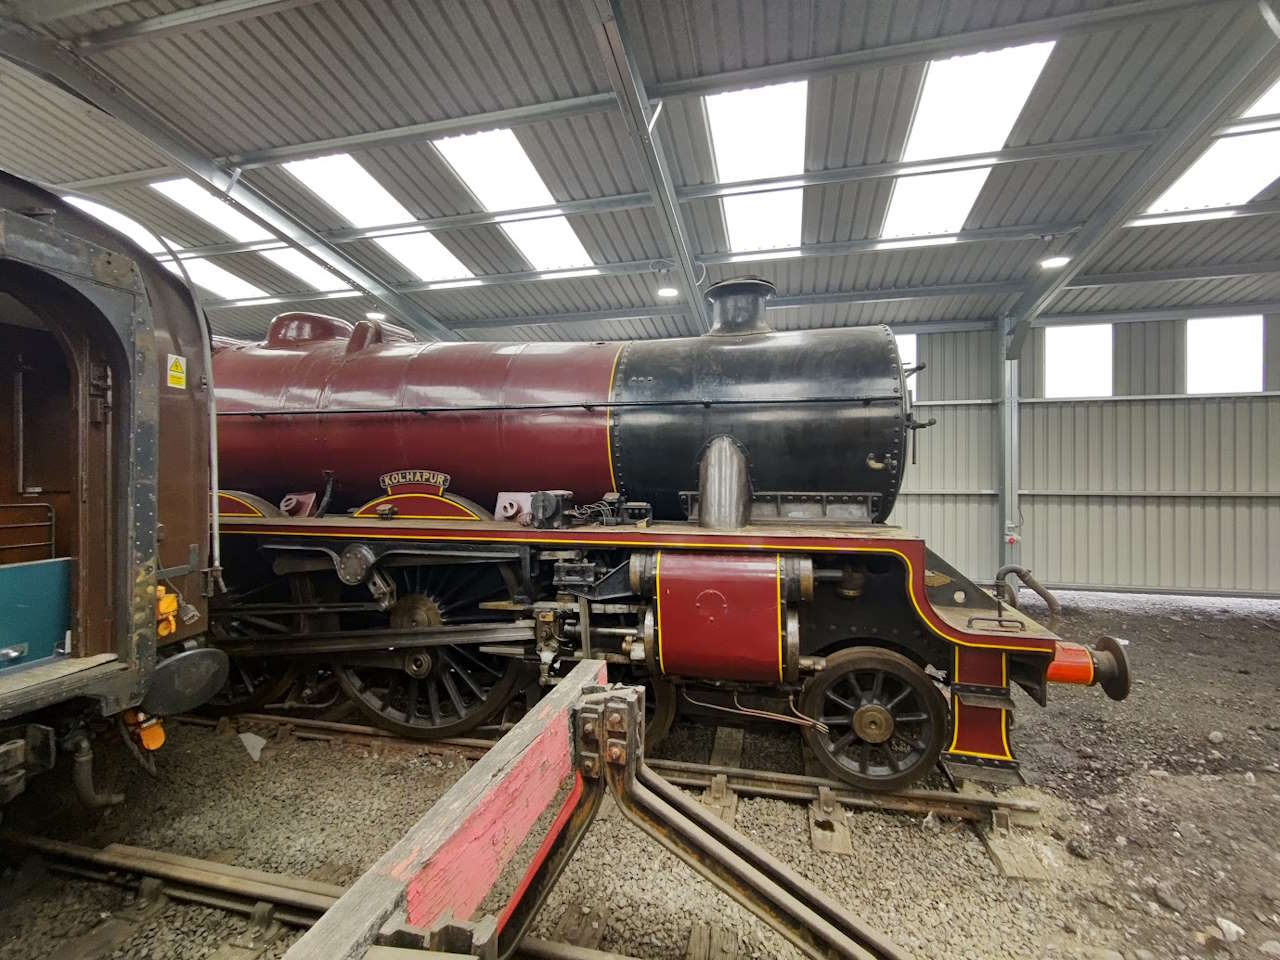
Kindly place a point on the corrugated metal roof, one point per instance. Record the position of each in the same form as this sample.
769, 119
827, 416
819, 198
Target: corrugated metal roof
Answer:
331, 68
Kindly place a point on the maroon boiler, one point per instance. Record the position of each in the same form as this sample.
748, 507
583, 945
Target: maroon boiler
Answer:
429, 405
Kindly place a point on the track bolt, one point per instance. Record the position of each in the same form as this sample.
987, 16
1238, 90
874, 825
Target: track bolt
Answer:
615, 754
588, 728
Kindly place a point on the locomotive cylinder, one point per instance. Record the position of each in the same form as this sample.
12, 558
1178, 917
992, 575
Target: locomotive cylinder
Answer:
820, 416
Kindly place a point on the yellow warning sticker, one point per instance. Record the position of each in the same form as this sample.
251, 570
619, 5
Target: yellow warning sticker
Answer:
177, 371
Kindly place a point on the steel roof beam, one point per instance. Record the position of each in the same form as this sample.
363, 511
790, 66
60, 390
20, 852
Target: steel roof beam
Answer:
926, 326
624, 268
1221, 271
605, 17
1256, 208
51, 62
1158, 313
181, 21
971, 41
1172, 153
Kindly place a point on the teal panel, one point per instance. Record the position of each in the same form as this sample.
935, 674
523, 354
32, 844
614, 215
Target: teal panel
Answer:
35, 609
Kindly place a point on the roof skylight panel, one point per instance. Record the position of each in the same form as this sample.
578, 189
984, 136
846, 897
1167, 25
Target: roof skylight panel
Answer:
967, 105
116, 220
499, 174
221, 283
1267, 104
760, 221
1232, 171
195, 199
341, 182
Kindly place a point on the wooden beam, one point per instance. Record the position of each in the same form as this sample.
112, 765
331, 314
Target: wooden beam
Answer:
449, 860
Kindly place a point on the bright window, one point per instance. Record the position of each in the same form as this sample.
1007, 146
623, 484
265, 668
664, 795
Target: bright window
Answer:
1224, 354
760, 221
1077, 361
498, 172
116, 220
1266, 104
362, 201
221, 283
1233, 170
216, 212
968, 104
907, 355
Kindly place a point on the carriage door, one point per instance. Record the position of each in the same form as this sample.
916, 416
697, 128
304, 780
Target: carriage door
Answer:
55, 483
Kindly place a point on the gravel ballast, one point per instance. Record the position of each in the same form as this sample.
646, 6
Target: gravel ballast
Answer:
1154, 830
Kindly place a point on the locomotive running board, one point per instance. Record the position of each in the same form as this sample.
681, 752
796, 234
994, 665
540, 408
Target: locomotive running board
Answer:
444, 885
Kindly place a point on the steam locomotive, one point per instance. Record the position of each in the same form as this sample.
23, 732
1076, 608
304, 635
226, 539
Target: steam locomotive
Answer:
433, 525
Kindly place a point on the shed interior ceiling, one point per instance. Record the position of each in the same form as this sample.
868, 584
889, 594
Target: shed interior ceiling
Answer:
832, 96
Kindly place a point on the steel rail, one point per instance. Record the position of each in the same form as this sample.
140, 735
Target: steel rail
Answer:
298, 901
790, 787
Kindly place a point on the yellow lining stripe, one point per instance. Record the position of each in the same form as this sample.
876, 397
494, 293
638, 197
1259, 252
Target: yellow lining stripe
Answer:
780, 626
608, 419
657, 592
1004, 716
254, 511
379, 535
471, 515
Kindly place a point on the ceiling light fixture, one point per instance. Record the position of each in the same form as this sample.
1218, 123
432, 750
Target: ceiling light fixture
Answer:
374, 315
1054, 263
668, 292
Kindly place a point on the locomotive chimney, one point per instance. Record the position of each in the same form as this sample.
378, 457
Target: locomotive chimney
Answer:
737, 306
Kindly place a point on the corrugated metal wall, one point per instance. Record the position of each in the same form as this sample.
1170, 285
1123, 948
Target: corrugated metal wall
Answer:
1149, 489
949, 495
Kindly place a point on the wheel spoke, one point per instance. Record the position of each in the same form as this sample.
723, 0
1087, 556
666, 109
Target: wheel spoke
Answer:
877, 685
890, 759
838, 747
902, 695
832, 695
433, 700
911, 718
452, 689
864, 756
412, 705
840, 720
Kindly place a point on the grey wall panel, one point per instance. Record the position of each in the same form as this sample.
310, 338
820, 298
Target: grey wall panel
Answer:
1149, 357
1169, 445
1170, 493
949, 493
1031, 365
958, 366
959, 528
1192, 544
1271, 352
958, 454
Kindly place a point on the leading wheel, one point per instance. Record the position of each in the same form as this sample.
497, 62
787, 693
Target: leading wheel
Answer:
434, 692
885, 719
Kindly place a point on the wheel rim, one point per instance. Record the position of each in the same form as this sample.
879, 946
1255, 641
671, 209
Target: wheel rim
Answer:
884, 720
438, 691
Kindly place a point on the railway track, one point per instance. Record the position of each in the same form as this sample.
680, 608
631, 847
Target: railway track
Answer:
975, 808
271, 901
